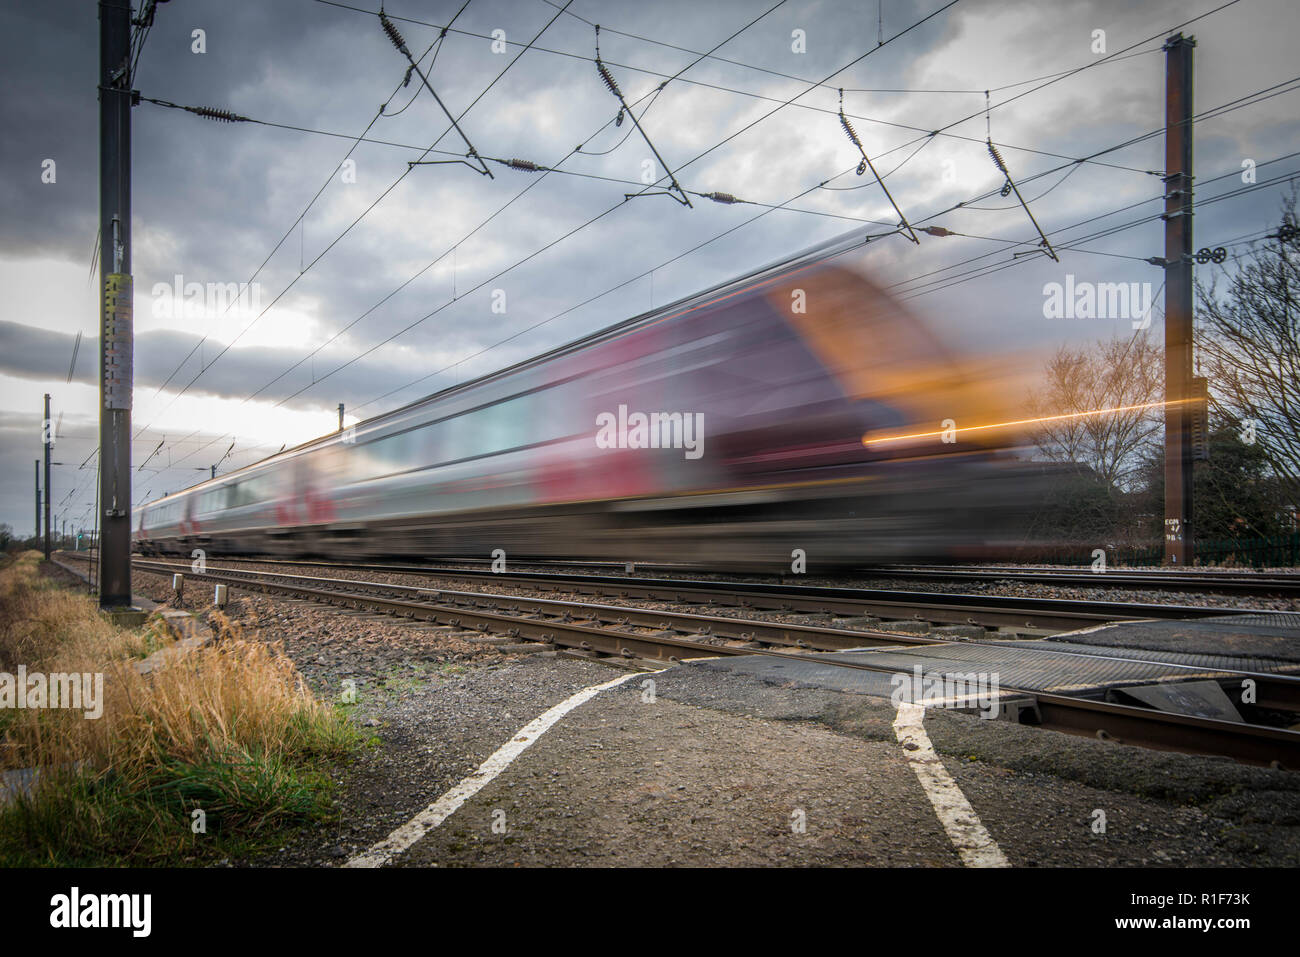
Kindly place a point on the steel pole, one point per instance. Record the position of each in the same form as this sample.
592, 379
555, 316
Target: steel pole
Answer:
47, 439
1178, 300
116, 341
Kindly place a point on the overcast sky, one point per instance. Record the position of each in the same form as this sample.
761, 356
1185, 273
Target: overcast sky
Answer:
212, 200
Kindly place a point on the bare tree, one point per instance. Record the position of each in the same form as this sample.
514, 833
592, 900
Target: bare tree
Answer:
1101, 407
1249, 344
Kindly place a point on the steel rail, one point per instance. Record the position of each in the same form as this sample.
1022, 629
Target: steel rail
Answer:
1250, 583
1273, 690
1268, 585
1042, 614
813, 637
1255, 744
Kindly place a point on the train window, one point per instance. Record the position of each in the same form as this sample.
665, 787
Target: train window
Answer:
254, 490
393, 453
454, 434
464, 439
478, 432
509, 423
486, 431
558, 413
430, 443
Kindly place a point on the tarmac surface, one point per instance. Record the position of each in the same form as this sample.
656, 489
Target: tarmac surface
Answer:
713, 767
717, 768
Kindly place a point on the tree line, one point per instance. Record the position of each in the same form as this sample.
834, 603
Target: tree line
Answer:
1111, 466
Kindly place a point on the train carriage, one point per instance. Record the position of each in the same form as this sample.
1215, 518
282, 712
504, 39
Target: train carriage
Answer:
727, 428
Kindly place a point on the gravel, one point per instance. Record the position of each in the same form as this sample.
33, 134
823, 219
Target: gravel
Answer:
719, 768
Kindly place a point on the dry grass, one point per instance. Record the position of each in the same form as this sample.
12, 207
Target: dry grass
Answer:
230, 729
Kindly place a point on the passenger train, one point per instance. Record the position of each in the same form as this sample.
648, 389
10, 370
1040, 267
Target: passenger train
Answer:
731, 428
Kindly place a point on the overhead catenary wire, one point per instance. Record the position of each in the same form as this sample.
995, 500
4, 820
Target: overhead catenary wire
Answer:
553, 168
1057, 77
1258, 96
705, 194
1054, 79
525, 165
142, 25
1239, 103
988, 269
1234, 104
1010, 186
612, 85
625, 109
801, 106
867, 164
226, 348
397, 40
834, 73
400, 332
601, 215
300, 217
1212, 111
1069, 171
789, 76
526, 189
923, 141
979, 272
774, 99
611, 289
706, 242
632, 127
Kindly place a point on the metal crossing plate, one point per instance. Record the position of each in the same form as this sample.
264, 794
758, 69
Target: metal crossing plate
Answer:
1058, 667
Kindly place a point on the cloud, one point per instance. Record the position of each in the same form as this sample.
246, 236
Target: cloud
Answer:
219, 203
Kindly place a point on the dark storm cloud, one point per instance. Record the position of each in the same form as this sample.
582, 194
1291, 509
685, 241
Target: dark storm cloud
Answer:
43, 356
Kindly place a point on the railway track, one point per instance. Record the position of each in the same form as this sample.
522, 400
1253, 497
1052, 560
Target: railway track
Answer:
1228, 583
653, 635
1041, 616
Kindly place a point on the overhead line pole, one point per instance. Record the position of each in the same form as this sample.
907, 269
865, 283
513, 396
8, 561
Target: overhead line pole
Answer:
47, 439
116, 340
1179, 549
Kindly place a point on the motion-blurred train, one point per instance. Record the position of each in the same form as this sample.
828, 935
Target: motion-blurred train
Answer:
796, 408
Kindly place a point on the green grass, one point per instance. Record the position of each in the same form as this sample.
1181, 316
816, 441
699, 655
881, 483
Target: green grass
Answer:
229, 729
80, 820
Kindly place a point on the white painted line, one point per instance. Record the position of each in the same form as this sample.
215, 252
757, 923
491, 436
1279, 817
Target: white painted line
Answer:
437, 812
973, 843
